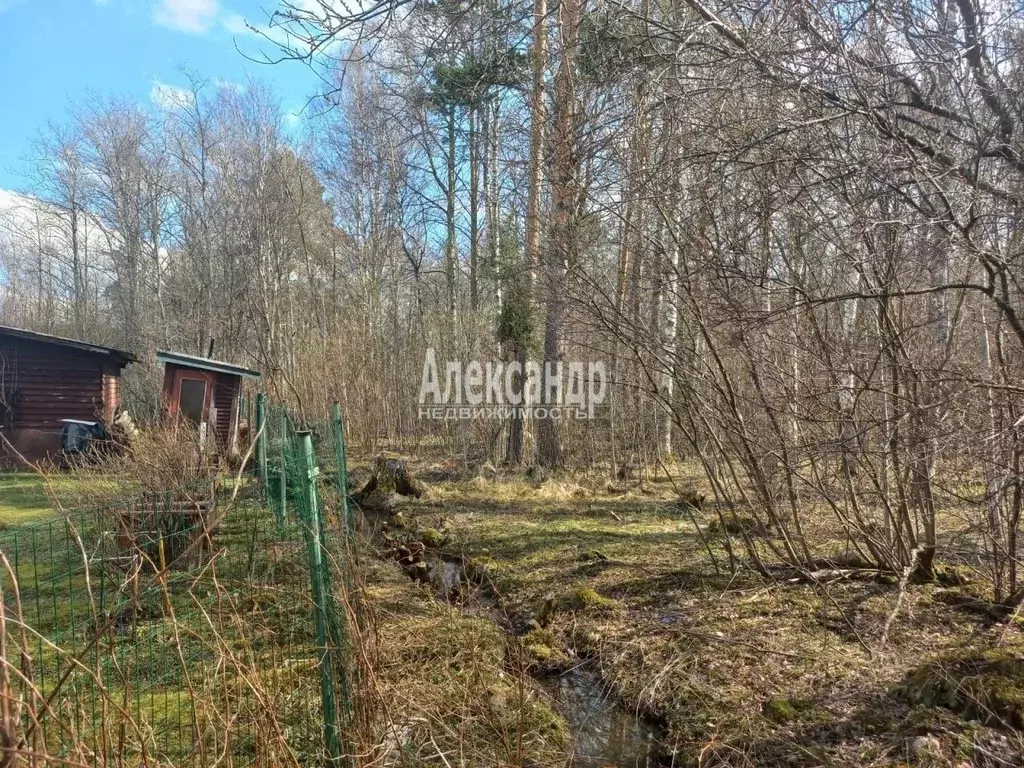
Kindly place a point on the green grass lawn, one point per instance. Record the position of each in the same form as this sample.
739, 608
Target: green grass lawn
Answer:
169, 650
23, 499
26, 498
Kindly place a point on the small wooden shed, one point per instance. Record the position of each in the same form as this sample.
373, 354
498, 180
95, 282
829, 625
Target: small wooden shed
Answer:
204, 393
45, 379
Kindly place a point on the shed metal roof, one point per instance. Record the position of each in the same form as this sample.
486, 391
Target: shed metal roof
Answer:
204, 364
119, 355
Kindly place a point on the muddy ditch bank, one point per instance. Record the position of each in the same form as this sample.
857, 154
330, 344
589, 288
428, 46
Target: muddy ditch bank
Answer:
604, 732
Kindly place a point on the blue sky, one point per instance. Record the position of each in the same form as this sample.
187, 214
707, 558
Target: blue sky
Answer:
55, 53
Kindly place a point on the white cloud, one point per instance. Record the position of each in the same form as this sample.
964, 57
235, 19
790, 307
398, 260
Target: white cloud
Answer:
14, 201
235, 24
193, 16
169, 97
229, 85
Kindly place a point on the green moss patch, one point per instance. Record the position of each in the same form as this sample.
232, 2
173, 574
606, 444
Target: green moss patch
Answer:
431, 537
781, 710
987, 686
543, 650
477, 569
738, 525
587, 599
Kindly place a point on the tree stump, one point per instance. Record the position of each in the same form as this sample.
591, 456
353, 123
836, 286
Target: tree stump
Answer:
390, 477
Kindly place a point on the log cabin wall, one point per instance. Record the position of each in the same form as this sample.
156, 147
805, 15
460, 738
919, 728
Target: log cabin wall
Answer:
42, 383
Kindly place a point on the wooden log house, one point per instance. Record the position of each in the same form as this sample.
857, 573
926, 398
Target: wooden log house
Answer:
46, 379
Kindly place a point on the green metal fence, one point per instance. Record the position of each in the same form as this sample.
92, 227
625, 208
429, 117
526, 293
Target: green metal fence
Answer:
200, 627
277, 428
295, 463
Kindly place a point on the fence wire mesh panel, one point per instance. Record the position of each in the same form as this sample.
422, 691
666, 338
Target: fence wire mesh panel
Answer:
190, 628
306, 477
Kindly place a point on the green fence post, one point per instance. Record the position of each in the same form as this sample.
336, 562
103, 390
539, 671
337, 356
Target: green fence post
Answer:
351, 554
282, 490
318, 581
261, 439
342, 478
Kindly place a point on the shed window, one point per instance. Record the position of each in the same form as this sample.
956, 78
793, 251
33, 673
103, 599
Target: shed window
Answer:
191, 399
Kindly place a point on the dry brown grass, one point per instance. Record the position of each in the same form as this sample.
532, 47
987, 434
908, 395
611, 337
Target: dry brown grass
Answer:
744, 670
448, 685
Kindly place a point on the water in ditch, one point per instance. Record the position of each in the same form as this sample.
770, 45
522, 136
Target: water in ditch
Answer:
603, 732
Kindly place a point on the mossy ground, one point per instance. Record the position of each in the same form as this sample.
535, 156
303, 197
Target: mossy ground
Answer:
743, 670
985, 685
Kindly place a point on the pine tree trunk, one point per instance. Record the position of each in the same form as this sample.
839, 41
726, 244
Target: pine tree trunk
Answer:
565, 197
528, 278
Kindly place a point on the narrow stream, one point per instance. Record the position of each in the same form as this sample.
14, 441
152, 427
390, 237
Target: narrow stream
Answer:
604, 733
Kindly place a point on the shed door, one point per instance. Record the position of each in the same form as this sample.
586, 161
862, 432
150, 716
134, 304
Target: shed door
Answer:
191, 398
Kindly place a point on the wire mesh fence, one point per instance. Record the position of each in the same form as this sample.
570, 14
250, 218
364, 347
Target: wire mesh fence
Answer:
202, 626
276, 463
